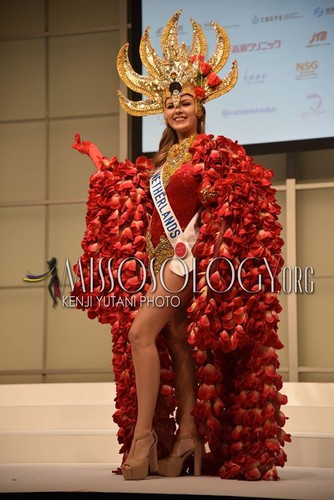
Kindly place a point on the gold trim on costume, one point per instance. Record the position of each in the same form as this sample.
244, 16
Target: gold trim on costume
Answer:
177, 155
208, 194
161, 252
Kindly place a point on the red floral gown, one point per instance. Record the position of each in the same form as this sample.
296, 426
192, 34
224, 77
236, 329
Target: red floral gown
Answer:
232, 323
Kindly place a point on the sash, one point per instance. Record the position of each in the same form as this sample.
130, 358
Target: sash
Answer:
181, 241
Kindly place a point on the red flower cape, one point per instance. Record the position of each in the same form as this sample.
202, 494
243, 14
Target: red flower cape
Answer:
232, 324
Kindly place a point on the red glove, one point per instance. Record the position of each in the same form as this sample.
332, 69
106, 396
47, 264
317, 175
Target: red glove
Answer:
88, 148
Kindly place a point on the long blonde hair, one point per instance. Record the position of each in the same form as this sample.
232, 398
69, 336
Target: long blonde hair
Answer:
168, 138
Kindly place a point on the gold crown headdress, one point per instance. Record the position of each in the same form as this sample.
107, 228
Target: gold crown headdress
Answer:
178, 72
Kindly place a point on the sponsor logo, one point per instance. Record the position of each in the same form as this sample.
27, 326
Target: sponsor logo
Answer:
256, 46
276, 18
321, 36
314, 107
254, 78
306, 70
320, 11
317, 39
226, 113
208, 26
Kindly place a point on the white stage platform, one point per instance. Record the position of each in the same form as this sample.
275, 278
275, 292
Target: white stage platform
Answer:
61, 437
295, 483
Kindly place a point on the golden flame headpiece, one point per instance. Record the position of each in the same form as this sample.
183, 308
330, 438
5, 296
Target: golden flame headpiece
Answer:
178, 72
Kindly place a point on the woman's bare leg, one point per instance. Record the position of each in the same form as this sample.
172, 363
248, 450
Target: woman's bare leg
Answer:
185, 381
149, 321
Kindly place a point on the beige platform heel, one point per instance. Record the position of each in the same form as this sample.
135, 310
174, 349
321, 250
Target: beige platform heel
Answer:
173, 466
139, 468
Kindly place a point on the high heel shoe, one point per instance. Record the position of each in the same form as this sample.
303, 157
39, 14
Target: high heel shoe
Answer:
138, 468
173, 466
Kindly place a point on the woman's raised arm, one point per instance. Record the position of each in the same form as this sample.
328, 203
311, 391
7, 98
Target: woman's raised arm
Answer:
88, 148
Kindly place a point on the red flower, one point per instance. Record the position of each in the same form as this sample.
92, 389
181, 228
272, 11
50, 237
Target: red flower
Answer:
214, 155
199, 93
166, 390
237, 446
207, 392
196, 58
271, 474
205, 68
213, 80
200, 356
210, 373
253, 474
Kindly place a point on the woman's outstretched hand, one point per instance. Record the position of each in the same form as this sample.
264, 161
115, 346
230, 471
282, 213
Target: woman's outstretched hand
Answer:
83, 147
88, 148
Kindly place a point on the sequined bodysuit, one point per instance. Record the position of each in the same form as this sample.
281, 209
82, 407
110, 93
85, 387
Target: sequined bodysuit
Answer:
182, 192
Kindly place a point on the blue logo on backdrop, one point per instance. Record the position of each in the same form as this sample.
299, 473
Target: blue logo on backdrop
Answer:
319, 11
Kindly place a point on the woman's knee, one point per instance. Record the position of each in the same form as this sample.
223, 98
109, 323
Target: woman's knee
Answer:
140, 337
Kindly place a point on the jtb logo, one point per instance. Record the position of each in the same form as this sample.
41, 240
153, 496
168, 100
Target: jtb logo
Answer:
319, 37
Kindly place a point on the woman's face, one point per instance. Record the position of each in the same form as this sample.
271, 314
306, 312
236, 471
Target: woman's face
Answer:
182, 118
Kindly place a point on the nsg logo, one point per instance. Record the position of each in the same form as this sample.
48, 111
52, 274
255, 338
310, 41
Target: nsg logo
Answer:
307, 66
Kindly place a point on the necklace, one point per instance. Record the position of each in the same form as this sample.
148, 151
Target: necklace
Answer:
177, 155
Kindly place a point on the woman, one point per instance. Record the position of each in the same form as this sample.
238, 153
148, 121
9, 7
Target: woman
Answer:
213, 354
149, 321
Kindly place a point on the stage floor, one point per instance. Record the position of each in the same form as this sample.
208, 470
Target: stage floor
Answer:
295, 483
